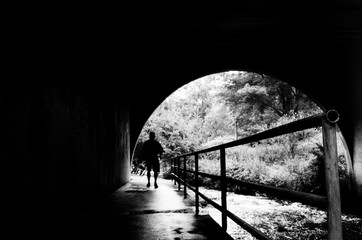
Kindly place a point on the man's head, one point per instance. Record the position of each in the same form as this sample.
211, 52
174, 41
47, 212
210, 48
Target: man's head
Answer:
152, 135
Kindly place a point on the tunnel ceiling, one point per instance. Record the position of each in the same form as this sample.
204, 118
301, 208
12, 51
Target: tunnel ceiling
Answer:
147, 50
295, 42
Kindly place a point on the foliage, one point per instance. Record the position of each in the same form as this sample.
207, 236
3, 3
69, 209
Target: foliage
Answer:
187, 119
256, 98
222, 107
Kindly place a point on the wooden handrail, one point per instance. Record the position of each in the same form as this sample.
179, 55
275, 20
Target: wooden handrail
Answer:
302, 124
253, 231
328, 122
282, 193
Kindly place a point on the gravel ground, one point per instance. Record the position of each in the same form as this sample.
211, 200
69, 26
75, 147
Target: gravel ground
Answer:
277, 219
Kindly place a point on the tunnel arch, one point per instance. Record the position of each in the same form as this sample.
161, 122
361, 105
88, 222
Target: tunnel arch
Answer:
291, 72
340, 136
322, 101
326, 72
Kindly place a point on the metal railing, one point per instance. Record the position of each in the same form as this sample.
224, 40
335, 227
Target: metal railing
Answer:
331, 202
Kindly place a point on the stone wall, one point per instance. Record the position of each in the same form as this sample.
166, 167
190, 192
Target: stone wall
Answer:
65, 149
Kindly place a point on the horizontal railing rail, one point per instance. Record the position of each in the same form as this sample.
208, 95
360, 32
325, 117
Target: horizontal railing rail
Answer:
331, 202
235, 218
299, 125
281, 193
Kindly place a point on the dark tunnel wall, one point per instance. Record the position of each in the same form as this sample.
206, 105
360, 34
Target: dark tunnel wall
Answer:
66, 149
65, 146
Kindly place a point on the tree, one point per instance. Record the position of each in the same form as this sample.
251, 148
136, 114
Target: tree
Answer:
207, 110
258, 100
218, 122
263, 92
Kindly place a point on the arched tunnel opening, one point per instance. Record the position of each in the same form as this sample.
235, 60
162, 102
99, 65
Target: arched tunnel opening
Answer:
227, 106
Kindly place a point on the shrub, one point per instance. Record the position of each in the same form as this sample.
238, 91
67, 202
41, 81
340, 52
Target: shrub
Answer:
293, 161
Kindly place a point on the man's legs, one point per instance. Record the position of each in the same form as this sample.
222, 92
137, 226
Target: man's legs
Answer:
155, 175
148, 175
155, 166
156, 169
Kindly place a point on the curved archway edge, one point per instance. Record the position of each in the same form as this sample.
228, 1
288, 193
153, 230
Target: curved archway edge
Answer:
330, 77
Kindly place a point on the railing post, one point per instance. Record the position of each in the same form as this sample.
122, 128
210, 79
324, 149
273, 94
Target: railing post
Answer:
197, 183
223, 188
173, 169
331, 175
179, 172
185, 191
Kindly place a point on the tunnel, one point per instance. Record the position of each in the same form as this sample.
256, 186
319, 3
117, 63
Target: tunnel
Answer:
81, 80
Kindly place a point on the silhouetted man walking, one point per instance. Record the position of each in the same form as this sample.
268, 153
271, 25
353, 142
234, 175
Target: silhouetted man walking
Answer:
151, 151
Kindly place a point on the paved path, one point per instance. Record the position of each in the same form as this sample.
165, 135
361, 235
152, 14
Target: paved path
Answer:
138, 212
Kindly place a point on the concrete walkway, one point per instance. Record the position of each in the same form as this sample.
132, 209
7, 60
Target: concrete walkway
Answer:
138, 212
